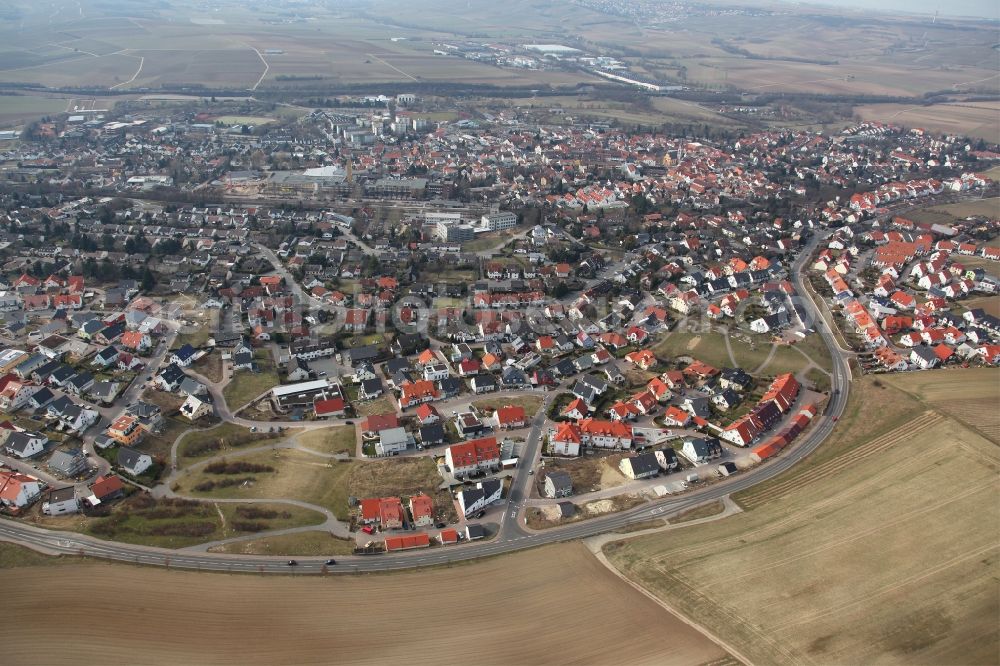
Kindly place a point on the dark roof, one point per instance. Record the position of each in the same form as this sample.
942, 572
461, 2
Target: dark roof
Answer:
644, 463
432, 432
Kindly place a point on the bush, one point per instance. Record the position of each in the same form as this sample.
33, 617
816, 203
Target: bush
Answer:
249, 525
223, 467
194, 529
200, 448
256, 513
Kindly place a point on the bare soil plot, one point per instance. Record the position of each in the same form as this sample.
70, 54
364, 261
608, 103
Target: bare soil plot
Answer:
540, 518
308, 619
975, 119
589, 473
891, 557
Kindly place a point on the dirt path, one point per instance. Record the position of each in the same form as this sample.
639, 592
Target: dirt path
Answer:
729, 347
596, 545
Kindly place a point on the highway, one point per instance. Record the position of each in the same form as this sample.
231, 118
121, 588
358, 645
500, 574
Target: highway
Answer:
511, 536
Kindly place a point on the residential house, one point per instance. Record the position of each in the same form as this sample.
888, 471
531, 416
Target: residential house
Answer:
133, 462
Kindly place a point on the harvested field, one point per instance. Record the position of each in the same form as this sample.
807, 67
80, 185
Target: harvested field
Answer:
802, 576
969, 395
975, 119
308, 620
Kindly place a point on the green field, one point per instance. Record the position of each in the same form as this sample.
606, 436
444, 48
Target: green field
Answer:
317, 544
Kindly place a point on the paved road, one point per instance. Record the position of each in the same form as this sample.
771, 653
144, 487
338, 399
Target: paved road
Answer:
512, 536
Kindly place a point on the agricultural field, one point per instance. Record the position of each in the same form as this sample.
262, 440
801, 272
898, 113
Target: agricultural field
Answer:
311, 619
976, 119
800, 576
16, 109
969, 395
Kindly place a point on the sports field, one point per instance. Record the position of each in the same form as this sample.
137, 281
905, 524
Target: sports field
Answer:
886, 552
548, 605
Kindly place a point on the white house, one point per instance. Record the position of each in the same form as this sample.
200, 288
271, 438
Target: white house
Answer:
194, 408
18, 490
25, 444
133, 462
700, 450
484, 494
61, 502
392, 441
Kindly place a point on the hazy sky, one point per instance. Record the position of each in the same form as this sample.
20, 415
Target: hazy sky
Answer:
987, 8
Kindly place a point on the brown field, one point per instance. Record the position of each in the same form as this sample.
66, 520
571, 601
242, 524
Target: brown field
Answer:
975, 119
970, 396
989, 304
801, 576
237, 619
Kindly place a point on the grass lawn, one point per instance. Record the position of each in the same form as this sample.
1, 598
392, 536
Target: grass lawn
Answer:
820, 380
13, 556
379, 405
246, 386
303, 544
296, 475
338, 439
485, 241
707, 347
196, 339
202, 444
299, 475
175, 523
698, 512
530, 403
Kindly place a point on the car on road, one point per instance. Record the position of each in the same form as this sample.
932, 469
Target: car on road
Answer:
292, 563
368, 529
331, 561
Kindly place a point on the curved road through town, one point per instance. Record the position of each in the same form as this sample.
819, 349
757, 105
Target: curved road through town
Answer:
511, 536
